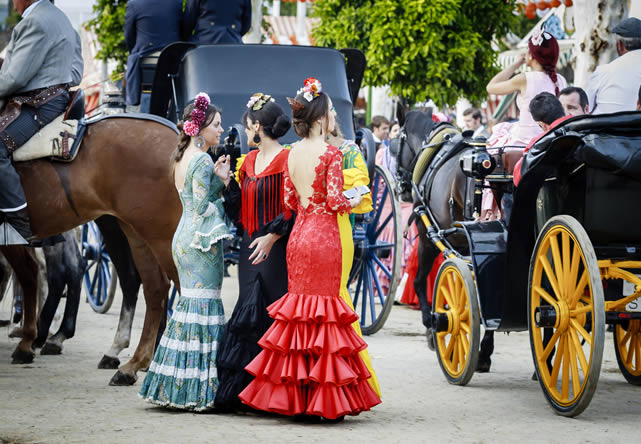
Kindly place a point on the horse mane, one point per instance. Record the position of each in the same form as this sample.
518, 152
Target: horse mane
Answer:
419, 122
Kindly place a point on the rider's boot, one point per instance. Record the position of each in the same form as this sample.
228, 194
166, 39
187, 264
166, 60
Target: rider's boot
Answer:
20, 221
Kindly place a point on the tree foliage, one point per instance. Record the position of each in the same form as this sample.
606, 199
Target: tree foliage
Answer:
423, 49
109, 25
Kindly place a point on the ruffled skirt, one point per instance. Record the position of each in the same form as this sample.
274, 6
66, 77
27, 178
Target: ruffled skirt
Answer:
183, 372
310, 362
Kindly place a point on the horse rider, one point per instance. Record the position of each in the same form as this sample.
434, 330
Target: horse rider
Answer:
43, 58
148, 28
217, 21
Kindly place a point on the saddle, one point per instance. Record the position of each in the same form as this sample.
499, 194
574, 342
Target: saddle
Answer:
60, 139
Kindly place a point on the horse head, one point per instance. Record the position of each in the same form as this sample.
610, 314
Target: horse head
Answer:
416, 127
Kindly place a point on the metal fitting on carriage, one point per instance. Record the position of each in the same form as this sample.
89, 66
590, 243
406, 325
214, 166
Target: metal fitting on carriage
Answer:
477, 163
545, 316
440, 322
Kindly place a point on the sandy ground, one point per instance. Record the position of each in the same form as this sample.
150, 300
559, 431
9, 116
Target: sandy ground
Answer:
66, 399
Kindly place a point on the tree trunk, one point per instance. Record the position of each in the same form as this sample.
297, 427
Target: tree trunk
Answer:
595, 44
255, 34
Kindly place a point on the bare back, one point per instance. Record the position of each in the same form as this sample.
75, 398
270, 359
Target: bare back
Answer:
303, 160
180, 170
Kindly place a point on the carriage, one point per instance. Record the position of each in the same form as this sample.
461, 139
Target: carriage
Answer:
565, 264
230, 74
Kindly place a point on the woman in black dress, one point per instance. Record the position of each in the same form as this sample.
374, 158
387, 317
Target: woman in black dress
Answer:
254, 200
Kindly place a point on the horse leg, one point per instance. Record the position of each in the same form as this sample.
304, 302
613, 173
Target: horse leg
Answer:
156, 287
487, 348
118, 248
73, 270
5, 278
23, 262
56, 285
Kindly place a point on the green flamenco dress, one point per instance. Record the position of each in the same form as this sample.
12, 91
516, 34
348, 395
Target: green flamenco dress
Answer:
183, 373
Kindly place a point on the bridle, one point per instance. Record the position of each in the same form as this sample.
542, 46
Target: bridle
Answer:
404, 176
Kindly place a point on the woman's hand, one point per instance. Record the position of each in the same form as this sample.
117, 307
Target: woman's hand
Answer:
356, 200
223, 170
263, 246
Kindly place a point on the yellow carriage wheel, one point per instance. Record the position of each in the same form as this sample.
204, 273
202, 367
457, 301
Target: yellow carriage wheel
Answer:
565, 300
627, 345
456, 321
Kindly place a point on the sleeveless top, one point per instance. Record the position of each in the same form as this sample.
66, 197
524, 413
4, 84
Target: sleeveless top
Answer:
526, 128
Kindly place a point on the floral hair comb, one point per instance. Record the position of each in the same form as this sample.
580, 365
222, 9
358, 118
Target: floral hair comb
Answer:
258, 100
539, 36
197, 116
311, 89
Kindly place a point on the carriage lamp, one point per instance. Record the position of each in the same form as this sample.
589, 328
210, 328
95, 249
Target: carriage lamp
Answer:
477, 163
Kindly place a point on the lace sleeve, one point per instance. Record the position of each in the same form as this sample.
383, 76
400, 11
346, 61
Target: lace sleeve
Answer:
335, 181
289, 195
201, 181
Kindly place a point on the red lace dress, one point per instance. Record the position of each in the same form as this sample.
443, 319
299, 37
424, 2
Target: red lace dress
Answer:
310, 363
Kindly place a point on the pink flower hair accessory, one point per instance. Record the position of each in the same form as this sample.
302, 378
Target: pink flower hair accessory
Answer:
197, 116
311, 89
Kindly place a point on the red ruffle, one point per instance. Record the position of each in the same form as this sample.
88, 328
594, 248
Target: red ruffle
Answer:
285, 399
312, 308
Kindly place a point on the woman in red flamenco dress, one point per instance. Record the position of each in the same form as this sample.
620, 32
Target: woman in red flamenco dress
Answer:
310, 363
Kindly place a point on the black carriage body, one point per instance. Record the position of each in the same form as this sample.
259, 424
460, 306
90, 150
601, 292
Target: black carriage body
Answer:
230, 74
590, 168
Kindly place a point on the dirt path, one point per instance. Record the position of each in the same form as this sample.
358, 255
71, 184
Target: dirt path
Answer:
66, 399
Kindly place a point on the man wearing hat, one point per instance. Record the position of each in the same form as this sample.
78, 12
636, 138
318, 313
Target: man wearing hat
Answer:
613, 87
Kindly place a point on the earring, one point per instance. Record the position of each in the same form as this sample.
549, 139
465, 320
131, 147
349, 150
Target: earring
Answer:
256, 139
199, 142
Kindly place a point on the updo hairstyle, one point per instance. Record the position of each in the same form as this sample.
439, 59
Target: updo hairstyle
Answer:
184, 139
306, 113
271, 117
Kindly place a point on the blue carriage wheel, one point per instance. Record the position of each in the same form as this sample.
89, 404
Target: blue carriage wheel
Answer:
100, 276
378, 245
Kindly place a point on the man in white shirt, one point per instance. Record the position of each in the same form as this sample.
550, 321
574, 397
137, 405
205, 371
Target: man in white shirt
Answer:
613, 87
472, 118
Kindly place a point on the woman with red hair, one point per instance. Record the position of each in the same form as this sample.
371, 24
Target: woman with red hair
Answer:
541, 58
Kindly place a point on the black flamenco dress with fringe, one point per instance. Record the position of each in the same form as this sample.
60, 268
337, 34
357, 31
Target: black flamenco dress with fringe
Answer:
255, 203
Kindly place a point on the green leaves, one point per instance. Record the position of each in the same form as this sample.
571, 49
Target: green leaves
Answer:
109, 25
423, 49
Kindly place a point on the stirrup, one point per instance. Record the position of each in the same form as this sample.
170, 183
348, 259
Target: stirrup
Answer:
10, 236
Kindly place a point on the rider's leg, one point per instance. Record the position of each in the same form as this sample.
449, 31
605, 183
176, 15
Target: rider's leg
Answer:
12, 199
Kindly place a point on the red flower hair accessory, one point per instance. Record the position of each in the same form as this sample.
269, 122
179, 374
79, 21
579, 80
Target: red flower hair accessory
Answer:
311, 89
197, 116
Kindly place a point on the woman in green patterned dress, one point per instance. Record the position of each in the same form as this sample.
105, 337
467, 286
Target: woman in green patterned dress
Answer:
183, 373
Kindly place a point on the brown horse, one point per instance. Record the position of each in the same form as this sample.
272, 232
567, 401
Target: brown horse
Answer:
122, 169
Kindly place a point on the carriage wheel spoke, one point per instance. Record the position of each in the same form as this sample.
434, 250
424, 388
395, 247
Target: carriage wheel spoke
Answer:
576, 383
637, 353
565, 379
580, 289
448, 297
462, 354
464, 342
581, 330
455, 356
550, 275
448, 349
631, 348
579, 352
546, 296
557, 364
565, 251
559, 272
574, 268
582, 309
548, 349
465, 316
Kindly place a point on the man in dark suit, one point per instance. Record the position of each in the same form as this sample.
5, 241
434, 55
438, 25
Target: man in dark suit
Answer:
148, 28
217, 21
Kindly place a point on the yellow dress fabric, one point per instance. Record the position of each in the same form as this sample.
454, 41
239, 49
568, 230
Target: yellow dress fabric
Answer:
354, 173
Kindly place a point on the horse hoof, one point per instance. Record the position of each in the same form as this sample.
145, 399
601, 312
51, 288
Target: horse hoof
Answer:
429, 335
22, 357
107, 362
483, 366
51, 349
122, 379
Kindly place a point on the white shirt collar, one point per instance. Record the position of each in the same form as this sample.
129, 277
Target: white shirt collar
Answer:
30, 8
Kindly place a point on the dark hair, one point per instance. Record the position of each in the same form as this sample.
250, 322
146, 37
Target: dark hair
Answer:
631, 43
547, 54
583, 97
378, 121
273, 119
545, 107
476, 113
184, 139
306, 113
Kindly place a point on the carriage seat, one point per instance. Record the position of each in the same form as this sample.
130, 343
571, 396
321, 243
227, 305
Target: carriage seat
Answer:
506, 158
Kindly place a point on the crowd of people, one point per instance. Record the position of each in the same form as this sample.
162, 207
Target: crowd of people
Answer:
292, 345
